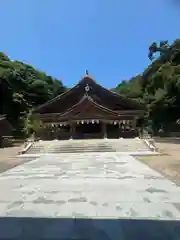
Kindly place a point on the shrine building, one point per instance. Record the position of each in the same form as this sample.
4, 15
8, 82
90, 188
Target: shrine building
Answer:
88, 110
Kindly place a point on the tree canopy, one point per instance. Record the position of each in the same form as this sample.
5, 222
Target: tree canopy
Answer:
158, 87
23, 88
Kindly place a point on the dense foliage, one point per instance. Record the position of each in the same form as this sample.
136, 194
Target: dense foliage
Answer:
158, 87
23, 88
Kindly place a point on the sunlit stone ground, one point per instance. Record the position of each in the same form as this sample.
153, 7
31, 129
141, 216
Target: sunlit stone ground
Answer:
88, 185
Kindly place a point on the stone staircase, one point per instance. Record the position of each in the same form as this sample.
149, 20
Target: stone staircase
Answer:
82, 146
130, 145
39, 147
95, 145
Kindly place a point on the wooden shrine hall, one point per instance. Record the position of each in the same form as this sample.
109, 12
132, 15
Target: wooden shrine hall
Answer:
89, 110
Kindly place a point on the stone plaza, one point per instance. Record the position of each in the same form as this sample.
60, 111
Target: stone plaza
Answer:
94, 189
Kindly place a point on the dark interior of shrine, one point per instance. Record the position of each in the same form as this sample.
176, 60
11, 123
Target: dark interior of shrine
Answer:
88, 131
93, 130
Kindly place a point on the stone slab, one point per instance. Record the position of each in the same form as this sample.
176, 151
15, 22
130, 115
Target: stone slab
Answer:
136, 153
108, 191
93, 185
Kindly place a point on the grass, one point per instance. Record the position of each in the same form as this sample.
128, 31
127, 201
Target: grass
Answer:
165, 164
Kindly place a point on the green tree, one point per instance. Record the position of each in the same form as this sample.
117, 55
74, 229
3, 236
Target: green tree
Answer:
31, 124
158, 87
23, 88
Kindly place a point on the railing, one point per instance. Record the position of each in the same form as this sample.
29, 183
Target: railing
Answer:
28, 144
149, 141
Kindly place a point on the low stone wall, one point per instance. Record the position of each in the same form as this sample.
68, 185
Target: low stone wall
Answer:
27, 146
167, 135
174, 134
6, 141
151, 144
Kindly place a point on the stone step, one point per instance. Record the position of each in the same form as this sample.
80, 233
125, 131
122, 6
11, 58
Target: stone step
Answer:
71, 150
76, 146
81, 150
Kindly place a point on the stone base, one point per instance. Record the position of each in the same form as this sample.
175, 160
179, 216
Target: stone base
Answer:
6, 141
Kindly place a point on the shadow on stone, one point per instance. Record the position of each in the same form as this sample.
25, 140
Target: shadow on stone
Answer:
105, 229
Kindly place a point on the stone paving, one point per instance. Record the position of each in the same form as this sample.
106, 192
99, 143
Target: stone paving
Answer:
98, 186
88, 185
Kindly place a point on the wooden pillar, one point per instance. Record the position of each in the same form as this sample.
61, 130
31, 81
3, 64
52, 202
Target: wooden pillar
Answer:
55, 132
134, 123
104, 130
119, 130
134, 126
141, 128
71, 130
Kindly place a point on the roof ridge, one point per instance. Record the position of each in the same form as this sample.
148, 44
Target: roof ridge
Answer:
87, 76
116, 94
64, 93
84, 78
55, 98
86, 96
99, 105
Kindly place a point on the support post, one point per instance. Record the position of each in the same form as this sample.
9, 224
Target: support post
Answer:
134, 126
104, 130
142, 128
72, 130
119, 130
134, 123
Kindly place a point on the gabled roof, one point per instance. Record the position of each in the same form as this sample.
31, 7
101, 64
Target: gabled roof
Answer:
85, 102
87, 108
100, 95
66, 93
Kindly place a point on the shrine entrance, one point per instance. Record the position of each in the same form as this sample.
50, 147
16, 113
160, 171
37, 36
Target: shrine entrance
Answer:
112, 130
88, 130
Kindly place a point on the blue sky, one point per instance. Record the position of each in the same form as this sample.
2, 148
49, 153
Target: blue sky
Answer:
63, 38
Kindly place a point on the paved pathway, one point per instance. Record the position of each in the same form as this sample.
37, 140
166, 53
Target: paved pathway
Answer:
90, 185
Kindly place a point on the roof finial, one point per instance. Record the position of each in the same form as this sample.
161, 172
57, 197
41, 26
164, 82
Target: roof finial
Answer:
87, 73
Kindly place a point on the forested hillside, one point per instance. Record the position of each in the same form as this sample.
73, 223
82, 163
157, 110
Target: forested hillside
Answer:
22, 88
158, 87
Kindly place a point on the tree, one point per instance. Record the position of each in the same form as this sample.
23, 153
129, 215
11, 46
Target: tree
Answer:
22, 88
32, 125
162, 48
158, 87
